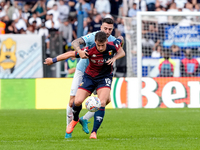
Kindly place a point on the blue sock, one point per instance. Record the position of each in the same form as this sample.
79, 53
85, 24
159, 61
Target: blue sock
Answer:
76, 110
98, 119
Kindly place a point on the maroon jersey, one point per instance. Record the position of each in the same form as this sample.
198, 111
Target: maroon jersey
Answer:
98, 67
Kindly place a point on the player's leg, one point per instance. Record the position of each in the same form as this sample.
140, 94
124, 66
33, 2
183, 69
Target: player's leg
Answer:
90, 114
69, 113
85, 89
74, 87
103, 95
87, 116
81, 95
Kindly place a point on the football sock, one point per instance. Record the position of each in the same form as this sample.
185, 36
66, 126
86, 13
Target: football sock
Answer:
98, 119
88, 115
76, 110
69, 114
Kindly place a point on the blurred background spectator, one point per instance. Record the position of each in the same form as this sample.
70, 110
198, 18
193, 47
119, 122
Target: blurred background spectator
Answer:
166, 65
63, 10
150, 5
133, 11
52, 24
96, 23
189, 65
84, 6
102, 6
66, 30
156, 52
57, 19
40, 9
176, 51
35, 18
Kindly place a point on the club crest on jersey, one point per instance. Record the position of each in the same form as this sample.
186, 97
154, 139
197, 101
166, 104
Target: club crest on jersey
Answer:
87, 37
110, 52
81, 83
94, 55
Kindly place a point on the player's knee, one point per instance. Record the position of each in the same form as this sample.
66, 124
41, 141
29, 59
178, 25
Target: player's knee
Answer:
103, 103
78, 101
72, 98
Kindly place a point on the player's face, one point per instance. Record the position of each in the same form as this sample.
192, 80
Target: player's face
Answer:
107, 28
101, 46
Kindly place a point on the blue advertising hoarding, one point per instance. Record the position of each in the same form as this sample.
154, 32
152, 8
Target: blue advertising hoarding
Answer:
182, 36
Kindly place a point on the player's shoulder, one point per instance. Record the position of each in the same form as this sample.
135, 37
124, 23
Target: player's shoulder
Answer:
92, 46
161, 60
90, 35
111, 38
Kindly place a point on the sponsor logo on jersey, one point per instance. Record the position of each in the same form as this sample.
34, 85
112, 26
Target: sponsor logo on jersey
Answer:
87, 37
110, 52
92, 60
100, 61
81, 83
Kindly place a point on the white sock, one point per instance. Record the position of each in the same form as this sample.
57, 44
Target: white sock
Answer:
69, 115
88, 115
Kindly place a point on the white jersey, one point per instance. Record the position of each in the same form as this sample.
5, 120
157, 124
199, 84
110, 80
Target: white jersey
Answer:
89, 40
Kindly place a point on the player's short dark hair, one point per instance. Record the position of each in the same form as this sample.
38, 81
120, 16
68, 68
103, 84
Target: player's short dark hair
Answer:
108, 21
100, 37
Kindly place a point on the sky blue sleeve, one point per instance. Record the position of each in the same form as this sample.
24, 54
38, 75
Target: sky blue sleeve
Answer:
82, 64
111, 38
89, 38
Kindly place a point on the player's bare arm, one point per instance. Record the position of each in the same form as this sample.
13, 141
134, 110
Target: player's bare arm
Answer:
76, 45
50, 61
120, 53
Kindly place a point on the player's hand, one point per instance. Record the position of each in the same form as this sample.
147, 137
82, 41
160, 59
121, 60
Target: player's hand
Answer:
48, 61
111, 61
83, 54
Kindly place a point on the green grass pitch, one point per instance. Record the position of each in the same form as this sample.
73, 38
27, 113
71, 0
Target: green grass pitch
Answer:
133, 129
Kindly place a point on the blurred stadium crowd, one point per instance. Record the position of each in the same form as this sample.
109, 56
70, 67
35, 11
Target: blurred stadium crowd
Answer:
45, 16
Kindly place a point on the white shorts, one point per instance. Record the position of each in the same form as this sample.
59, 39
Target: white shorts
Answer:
78, 76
